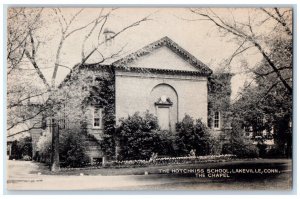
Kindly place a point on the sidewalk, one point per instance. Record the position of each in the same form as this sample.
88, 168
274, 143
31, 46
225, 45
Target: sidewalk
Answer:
23, 175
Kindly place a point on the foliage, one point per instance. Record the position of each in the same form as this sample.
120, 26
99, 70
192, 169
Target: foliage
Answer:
139, 136
241, 150
277, 101
102, 93
238, 145
262, 148
21, 148
219, 92
25, 146
256, 31
19, 22
274, 153
29, 37
72, 149
267, 106
68, 100
44, 146
25, 89
24, 99
192, 135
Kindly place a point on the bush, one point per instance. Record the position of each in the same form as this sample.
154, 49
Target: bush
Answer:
25, 146
241, 150
274, 153
44, 145
21, 148
238, 145
72, 150
262, 148
140, 136
192, 135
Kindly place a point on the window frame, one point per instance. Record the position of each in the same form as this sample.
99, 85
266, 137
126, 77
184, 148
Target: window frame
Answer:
100, 117
219, 120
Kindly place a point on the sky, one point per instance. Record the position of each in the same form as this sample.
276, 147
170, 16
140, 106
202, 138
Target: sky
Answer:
200, 38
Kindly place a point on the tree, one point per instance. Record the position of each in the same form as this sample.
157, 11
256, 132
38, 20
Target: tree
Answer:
256, 31
24, 94
267, 105
26, 44
268, 97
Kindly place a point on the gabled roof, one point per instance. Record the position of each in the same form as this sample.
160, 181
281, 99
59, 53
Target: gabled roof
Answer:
165, 41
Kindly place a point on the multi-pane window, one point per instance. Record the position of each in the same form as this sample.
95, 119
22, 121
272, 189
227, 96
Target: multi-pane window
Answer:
97, 119
217, 120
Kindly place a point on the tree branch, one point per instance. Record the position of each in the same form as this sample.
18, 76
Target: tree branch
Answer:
239, 33
279, 19
26, 130
35, 65
114, 36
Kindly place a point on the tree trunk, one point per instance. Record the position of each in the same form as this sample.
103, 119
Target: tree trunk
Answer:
55, 147
117, 149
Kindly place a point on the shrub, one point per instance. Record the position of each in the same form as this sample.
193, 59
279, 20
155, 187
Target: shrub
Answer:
25, 146
192, 135
140, 136
15, 151
21, 148
241, 150
262, 148
274, 152
44, 145
72, 150
238, 145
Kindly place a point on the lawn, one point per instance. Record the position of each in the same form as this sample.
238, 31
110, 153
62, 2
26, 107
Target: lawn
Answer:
281, 164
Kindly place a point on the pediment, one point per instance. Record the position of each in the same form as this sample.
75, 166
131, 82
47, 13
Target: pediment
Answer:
163, 54
163, 58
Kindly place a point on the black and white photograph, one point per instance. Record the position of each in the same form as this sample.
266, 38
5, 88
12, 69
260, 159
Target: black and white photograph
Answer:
149, 98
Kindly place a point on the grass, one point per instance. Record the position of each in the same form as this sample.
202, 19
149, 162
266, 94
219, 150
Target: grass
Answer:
282, 164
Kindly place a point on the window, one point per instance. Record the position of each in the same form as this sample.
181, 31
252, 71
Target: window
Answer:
217, 120
97, 117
